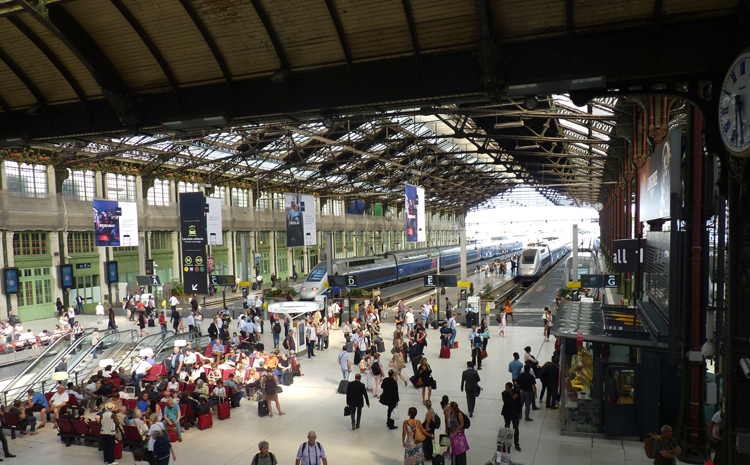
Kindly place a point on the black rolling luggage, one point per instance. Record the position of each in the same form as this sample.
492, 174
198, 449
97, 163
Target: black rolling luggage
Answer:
342, 386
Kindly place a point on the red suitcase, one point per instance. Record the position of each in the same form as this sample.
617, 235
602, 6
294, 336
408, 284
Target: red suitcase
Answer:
455, 344
222, 410
172, 435
445, 352
205, 421
118, 450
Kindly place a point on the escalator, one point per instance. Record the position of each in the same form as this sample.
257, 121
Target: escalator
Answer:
41, 369
111, 347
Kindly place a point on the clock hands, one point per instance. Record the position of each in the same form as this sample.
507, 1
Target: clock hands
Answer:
738, 112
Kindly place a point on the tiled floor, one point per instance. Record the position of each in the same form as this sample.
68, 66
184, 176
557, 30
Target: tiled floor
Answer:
312, 403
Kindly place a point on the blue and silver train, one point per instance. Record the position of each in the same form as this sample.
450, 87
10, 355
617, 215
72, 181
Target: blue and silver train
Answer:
539, 257
403, 265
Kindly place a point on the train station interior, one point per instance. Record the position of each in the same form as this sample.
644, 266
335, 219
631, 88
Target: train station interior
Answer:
321, 150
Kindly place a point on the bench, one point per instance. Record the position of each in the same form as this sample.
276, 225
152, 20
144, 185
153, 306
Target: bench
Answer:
10, 423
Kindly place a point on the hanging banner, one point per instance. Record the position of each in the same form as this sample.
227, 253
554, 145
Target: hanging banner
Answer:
213, 221
193, 232
416, 222
115, 223
659, 177
301, 224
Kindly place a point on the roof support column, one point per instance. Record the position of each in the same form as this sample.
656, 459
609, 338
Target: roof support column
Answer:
462, 241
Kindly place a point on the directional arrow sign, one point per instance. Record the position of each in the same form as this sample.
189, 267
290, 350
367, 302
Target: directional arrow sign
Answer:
195, 287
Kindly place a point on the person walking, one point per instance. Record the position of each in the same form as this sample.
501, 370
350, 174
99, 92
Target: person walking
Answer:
502, 320
272, 395
413, 453
264, 457
99, 313
456, 424
377, 374
345, 363
175, 318
311, 452
547, 323
110, 424
356, 398
509, 311
475, 342
527, 383
162, 447
390, 396
276, 330
470, 384
511, 411
310, 337
59, 306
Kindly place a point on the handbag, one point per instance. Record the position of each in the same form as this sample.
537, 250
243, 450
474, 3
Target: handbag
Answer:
418, 435
435, 449
395, 415
459, 444
434, 384
483, 354
391, 364
347, 411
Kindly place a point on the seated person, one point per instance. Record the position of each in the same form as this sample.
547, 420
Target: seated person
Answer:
27, 338
253, 381
215, 374
124, 376
89, 399
161, 383
236, 389
153, 394
218, 395
23, 420
283, 366
189, 358
139, 423
235, 341
117, 401
196, 407
59, 400
445, 335
173, 385
142, 404
201, 390
154, 409
272, 361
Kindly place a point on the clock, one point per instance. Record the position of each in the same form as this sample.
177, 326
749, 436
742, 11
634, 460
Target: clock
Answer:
734, 107
598, 206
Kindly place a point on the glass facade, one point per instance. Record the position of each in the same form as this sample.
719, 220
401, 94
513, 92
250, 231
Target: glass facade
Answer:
80, 185
27, 180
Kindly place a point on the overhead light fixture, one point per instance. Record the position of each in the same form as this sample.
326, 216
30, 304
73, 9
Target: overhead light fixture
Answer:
17, 141
530, 103
555, 87
527, 147
510, 124
208, 121
328, 121
206, 186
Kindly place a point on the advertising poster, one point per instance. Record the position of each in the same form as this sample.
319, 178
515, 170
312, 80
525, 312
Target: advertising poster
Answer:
213, 221
115, 223
659, 177
193, 232
300, 220
416, 223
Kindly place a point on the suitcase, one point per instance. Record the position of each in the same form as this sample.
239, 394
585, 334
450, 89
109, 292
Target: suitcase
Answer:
259, 346
172, 435
349, 347
435, 324
414, 379
342, 386
263, 408
151, 323
455, 344
438, 460
205, 421
118, 450
255, 286
222, 411
287, 379
380, 345
445, 352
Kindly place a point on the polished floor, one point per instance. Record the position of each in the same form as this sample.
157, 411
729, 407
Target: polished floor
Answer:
312, 403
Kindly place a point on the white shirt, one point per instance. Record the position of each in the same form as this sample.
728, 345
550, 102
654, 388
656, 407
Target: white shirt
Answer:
75, 394
312, 455
27, 336
409, 318
142, 367
158, 426
173, 301
71, 312
100, 309
191, 320
452, 323
258, 303
59, 399
718, 424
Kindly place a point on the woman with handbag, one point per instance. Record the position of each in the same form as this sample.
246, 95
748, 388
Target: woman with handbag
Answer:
547, 323
425, 378
459, 444
431, 423
412, 436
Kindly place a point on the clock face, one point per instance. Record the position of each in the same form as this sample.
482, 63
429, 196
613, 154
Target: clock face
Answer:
734, 107
598, 206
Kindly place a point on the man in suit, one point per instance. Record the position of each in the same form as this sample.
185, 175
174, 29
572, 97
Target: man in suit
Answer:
470, 380
511, 411
213, 329
356, 397
389, 396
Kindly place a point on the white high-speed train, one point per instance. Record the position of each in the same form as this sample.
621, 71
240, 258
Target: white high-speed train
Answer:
539, 257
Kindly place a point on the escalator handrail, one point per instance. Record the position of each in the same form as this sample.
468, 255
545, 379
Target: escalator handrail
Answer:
133, 335
64, 353
140, 344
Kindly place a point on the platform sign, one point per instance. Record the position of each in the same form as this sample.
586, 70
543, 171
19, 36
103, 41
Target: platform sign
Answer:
148, 280
611, 280
592, 280
431, 280
10, 281
574, 284
66, 276
221, 280
464, 284
448, 280
351, 280
113, 275
194, 240
462, 294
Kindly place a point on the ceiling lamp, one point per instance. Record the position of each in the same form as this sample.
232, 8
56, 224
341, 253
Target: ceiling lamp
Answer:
510, 124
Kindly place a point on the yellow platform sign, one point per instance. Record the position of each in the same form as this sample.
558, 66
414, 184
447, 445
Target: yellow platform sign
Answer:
464, 284
244, 283
573, 284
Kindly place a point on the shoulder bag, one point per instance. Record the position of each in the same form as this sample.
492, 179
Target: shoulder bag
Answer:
418, 435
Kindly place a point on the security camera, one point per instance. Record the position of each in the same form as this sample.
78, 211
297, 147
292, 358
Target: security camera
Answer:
745, 365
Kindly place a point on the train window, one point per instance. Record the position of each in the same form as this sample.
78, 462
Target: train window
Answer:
528, 259
316, 275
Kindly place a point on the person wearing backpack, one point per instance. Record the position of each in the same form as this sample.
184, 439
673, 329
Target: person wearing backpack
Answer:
264, 457
276, 330
665, 447
311, 452
377, 374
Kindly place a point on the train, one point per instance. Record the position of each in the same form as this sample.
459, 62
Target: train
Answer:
403, 265
538, 257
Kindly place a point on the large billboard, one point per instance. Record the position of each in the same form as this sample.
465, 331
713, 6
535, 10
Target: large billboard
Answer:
193, 232
659, 177
416, 222
213, 221
300, 219
115, 223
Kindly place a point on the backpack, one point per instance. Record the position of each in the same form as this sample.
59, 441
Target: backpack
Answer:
477, 342
436, 422
304, 446
648, 445
467, 422
257, 457
277, 328
376, 369
285, 344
